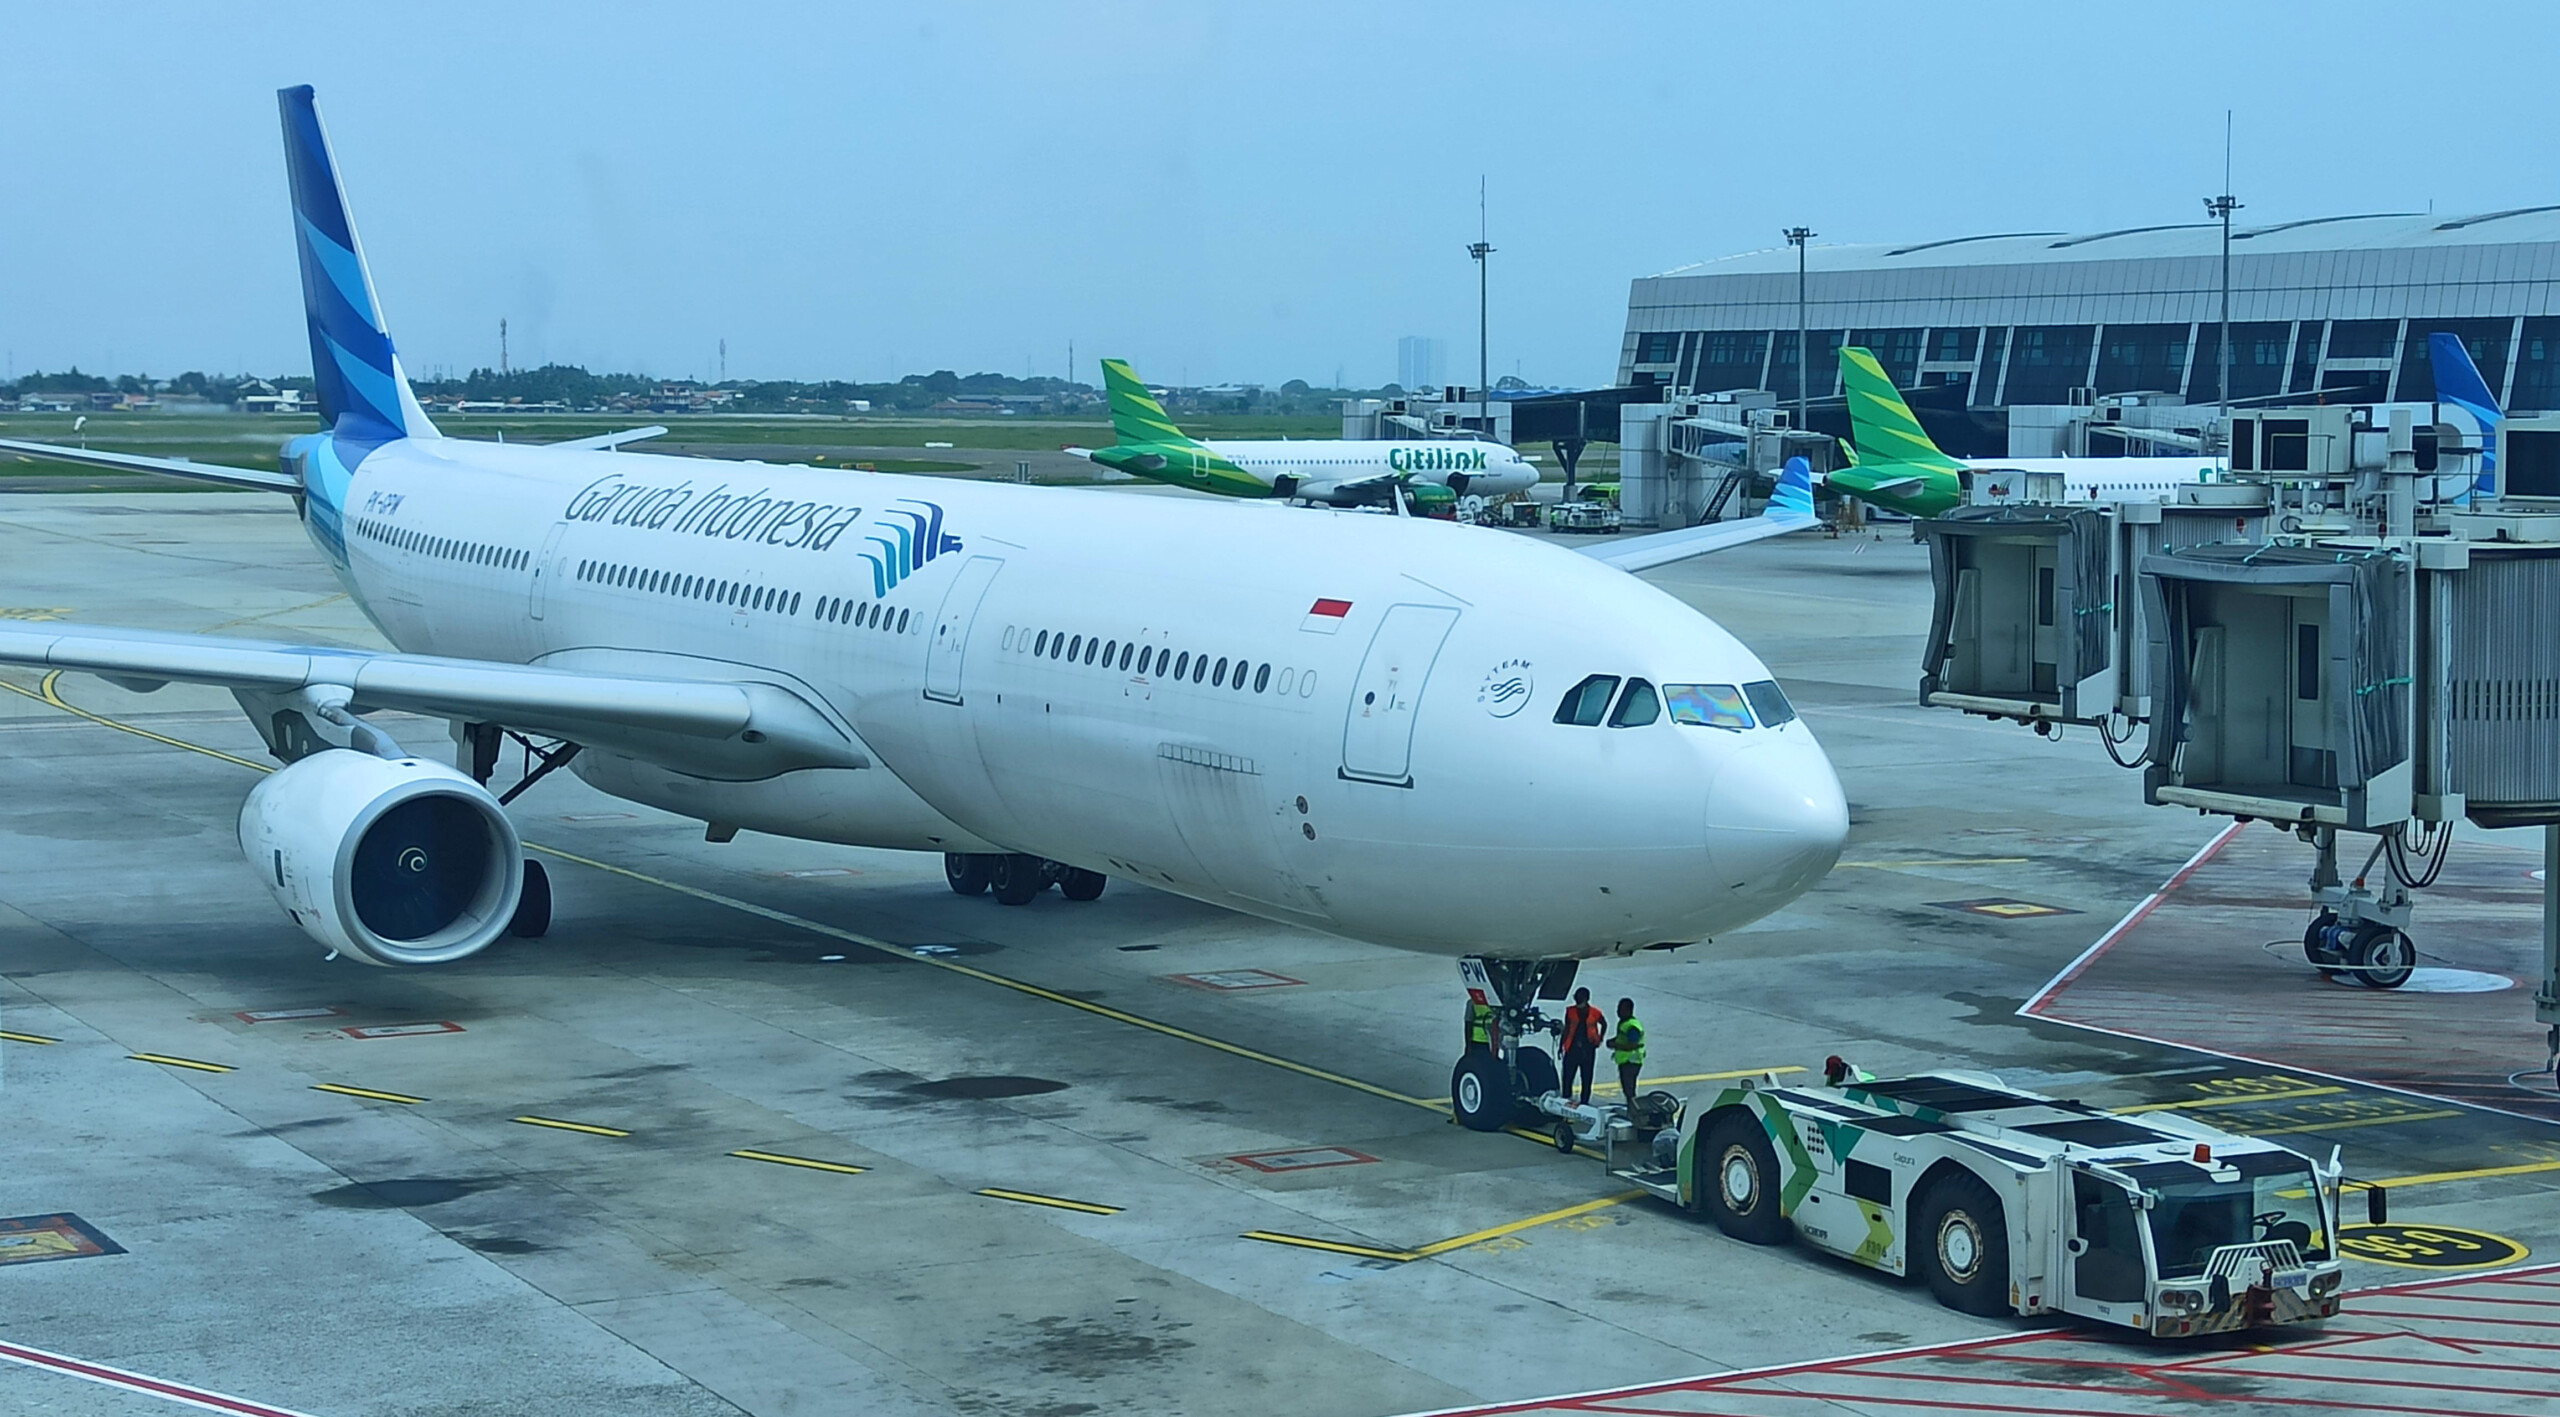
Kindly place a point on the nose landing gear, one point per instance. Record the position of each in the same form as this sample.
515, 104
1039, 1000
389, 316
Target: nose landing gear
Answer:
1504, 1069
1018, 880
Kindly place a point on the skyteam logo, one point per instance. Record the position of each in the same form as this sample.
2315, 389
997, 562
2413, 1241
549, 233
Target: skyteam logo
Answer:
909, 534
1506, 688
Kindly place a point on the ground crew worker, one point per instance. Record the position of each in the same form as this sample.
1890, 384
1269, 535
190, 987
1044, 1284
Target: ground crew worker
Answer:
1479, 1022
1583, 1027
1626, 1049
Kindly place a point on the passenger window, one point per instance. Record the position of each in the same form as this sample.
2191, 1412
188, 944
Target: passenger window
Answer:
1074, 645
1218, 677
1089, 647
1199, 669
795, 602
1708, 705
1284, 680
1109, 648
1638, 706
1262, 679
902, 622
1586, 703
1770, 703
1182, 666
1125, 651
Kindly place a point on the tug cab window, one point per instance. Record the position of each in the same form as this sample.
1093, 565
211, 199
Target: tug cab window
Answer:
1586, 703
1709, 705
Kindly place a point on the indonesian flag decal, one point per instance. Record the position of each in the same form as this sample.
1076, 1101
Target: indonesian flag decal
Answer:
1325, 616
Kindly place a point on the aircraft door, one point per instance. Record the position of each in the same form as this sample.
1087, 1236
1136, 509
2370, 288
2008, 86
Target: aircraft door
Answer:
1377, 730
951, 624
544, 570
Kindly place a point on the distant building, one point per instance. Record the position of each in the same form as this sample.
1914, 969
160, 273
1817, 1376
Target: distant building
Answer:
2336, 306
1419, 362
267, 398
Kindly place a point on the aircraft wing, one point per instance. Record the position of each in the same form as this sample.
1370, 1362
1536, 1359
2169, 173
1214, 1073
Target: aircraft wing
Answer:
1790, 509
605, 442
634, 711
169, 467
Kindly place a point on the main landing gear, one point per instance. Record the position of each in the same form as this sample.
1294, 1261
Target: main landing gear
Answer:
1015, 879
1501, 1077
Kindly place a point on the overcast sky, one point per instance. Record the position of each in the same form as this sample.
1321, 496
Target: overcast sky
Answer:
1217, 192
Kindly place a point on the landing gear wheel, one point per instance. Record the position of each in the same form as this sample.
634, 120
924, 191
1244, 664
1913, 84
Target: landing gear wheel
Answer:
966, 871
533, 907
1015, 879
1537, 1074
1963, 1242
2316, 946
1738, 1180
1480, 1092
2384, 957
1080, 884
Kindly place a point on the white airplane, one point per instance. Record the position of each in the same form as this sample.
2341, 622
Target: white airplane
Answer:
1336, 472
1436, 737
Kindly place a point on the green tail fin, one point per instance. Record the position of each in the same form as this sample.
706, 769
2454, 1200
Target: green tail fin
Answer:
1880, 423
1136, 417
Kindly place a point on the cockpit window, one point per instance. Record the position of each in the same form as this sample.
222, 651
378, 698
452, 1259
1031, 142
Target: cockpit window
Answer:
1586, 703
1709, 705
1638, 706
1770, 702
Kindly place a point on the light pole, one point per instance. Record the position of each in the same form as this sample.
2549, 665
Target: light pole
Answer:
2220, 209
1797, 236
1484, 391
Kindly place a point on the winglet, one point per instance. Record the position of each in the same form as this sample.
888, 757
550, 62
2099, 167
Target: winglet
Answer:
1880, 423
1136, 417
364, 395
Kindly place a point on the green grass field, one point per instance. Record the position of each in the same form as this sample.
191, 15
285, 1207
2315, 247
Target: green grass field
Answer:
252, 440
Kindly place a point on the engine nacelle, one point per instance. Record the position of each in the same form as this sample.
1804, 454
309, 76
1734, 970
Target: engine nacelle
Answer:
390, 861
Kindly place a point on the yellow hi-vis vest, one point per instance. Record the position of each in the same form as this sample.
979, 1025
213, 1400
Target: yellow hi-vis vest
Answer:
1627, 1045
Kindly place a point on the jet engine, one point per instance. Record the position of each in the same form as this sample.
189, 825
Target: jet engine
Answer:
392, 861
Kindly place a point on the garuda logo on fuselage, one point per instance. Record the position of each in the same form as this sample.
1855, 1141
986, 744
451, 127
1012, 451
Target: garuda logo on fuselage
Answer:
909, 534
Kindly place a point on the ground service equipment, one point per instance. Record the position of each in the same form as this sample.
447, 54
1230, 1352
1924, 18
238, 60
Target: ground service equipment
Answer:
2008, 1202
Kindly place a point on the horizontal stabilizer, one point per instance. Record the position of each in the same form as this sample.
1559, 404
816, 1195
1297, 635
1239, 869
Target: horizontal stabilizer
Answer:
1790, 509
167, 467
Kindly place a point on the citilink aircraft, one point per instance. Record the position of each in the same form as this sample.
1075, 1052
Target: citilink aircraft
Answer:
1901, 469
1434, 737
1333, 471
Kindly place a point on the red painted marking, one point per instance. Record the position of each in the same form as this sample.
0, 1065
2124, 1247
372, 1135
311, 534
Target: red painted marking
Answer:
136, 1382
1326, 606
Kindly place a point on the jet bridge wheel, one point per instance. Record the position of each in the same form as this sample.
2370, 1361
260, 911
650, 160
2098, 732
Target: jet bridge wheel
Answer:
966, 871
2319, 947
2384, 957
1740, 1184
1963, 1241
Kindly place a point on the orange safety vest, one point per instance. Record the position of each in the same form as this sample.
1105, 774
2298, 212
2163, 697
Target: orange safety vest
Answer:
1584, 1025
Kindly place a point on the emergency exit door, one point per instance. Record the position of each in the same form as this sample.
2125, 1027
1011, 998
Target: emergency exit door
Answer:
1377, 730
540, 597
943, 657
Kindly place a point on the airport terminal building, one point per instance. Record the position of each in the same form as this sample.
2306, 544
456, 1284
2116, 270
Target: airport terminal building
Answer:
2341, 304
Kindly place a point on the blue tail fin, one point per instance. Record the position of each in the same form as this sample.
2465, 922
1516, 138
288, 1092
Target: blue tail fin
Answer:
2458, 382
1794, 494
364, 395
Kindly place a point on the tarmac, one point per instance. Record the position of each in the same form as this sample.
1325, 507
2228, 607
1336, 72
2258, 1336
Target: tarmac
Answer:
777, 1127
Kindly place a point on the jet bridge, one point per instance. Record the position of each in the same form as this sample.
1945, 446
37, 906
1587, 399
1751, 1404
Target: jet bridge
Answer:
2343, 634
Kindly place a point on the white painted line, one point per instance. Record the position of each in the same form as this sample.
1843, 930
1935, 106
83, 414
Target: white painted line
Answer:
135, 1382
2131, 918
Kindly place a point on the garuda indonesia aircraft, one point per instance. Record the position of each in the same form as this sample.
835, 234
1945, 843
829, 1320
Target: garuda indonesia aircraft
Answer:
1901, 469
1335, 472
1436, 737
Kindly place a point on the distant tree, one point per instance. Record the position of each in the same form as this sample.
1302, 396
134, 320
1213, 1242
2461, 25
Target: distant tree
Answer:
1295, 388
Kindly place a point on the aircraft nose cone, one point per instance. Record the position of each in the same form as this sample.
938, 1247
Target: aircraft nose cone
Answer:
1776, 819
